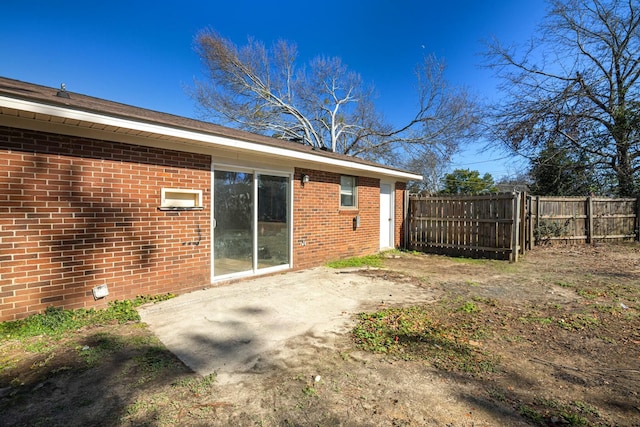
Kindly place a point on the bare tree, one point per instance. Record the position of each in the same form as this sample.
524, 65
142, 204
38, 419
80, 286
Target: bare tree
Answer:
325, 105
576, 84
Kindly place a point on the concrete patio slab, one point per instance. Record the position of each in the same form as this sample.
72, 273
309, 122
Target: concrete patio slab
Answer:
240, 328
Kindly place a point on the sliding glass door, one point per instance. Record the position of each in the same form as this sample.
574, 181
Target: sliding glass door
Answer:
273, 223
252, 222
233, 213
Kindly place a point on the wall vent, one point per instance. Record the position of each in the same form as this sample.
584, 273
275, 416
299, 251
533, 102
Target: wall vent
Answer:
181, 199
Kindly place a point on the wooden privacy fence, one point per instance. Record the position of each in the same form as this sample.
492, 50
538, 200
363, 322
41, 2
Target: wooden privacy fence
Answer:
502, 226
582, 219
473, 226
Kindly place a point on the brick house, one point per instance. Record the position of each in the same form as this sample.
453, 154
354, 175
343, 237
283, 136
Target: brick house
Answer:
98, 197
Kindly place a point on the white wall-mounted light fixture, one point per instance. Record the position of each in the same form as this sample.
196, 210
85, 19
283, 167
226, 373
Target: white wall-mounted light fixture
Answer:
304, 179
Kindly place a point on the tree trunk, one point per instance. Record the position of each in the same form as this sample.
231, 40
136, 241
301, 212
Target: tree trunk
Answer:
624, 172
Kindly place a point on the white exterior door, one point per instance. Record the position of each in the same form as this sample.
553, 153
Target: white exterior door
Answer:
386, 216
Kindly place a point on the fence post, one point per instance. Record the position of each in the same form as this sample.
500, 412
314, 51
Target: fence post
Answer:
523, 222
537, 224
528, 238
638, 219
515, 232
589, 221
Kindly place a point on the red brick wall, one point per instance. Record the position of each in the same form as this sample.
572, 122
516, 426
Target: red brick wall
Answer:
322, 231
77, 213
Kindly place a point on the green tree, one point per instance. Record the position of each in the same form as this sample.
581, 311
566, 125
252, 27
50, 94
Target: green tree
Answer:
465, 181
576, 83
324, 104
558, 171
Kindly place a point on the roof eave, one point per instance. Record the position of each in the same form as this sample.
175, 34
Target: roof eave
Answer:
200, 137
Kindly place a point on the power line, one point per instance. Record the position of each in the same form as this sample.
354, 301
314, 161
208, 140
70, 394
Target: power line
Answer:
483, 161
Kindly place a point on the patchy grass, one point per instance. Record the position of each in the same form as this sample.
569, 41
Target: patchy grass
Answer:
496, 265
101, 346
521, 330
415, 333
196, 385
470, 261
108, 352
575, 413
56, 321
364, 261
565, 284
469, 307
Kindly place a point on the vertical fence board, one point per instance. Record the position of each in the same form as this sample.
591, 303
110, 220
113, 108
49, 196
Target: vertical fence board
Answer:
589, 221
515, 238
522, 215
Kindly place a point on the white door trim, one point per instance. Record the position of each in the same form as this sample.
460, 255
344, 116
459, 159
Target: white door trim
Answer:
387, 217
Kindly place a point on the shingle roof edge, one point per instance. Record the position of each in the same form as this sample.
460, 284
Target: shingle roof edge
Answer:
76, 101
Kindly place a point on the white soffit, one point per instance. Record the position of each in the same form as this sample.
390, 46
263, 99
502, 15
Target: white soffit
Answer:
134, 127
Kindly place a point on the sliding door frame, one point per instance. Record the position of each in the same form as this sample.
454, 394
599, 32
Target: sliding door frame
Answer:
256, 172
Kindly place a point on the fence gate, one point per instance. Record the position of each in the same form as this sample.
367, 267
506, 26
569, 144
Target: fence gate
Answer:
487, 226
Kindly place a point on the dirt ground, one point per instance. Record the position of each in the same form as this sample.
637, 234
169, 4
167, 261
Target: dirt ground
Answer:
563, 323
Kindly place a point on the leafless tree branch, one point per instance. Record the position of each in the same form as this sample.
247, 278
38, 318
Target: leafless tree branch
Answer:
576, 82
325, 104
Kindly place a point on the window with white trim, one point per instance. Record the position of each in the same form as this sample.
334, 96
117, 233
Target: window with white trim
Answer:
348, 192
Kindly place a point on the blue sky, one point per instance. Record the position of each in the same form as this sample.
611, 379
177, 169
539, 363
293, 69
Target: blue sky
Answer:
141, 52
